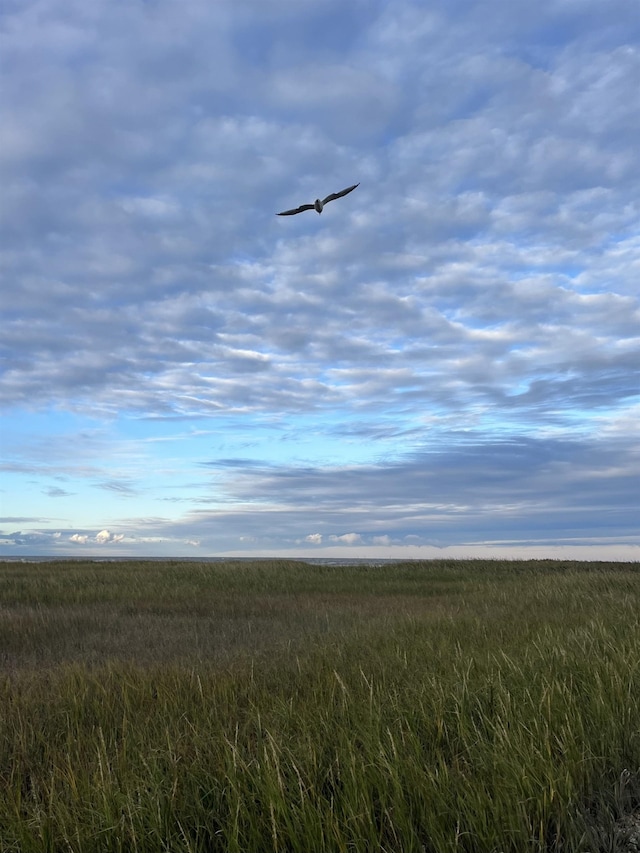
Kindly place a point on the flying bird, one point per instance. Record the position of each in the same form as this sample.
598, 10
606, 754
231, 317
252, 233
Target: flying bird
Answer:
318, 205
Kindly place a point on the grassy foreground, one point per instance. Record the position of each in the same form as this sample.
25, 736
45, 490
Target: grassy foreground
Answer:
278, 706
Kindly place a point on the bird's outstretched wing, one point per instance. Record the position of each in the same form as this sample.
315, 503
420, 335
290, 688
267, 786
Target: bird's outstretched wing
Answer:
333, 196
296, 210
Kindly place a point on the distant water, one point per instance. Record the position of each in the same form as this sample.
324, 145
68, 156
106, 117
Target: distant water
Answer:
314, 561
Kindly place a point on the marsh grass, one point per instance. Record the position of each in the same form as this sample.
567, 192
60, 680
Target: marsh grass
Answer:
279, 706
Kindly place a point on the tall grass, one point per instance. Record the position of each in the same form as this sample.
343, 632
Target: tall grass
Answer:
425, 707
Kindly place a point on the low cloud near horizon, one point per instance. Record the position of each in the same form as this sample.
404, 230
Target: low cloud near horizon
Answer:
446, 361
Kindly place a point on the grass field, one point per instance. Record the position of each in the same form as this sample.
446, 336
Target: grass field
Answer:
280, 706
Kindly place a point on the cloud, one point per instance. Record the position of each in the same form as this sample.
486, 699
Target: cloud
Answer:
17, 519
57, 492
118, 487
347, 538
104, 537
465, 323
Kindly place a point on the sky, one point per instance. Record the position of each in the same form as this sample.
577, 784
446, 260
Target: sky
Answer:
445, 362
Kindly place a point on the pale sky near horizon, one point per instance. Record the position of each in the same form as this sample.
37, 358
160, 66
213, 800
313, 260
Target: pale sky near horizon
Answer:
445, 362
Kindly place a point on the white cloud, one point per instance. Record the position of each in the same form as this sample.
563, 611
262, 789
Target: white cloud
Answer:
105, 537
347, 538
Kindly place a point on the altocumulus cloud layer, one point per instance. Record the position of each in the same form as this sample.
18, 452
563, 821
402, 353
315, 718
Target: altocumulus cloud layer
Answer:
448, 358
